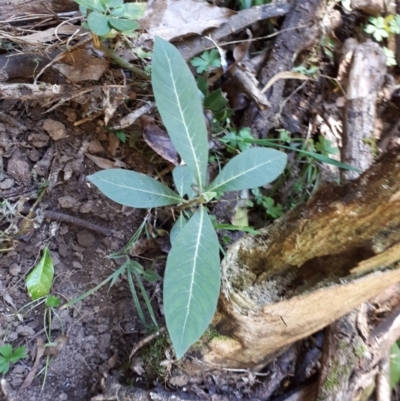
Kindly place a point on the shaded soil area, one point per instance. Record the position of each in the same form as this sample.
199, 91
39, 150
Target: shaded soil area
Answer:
105, 323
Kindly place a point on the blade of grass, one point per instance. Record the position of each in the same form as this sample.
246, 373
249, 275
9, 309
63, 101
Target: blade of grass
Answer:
146, 299
136, 299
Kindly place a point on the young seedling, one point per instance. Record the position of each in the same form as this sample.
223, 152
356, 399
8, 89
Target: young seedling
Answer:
192, 275
8, 356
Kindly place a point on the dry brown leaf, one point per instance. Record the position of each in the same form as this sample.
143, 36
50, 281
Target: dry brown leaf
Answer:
40, 348
104, 164
161, 143
173, 19
80, 65
241, 50
113, 143
284, 75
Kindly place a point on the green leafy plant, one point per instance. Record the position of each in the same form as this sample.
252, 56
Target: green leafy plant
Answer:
235, 139
383, 28
207, 60
109, 18
272, 209
9, 355
105, 15
192, 275
40, 279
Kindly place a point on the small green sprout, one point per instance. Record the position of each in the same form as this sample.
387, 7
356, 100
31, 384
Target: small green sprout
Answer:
8, 356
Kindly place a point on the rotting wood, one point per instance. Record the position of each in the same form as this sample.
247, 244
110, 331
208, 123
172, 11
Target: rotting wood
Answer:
326, 238
339, 358
366, 77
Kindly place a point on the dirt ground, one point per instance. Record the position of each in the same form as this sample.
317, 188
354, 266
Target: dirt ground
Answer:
105, 322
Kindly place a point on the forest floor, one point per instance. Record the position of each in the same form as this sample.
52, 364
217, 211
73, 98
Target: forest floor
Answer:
46, 202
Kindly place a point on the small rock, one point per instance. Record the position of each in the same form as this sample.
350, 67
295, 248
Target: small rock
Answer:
25, 331
18, 168
63, 397
179, 381
34, 155
71, 114
14, 269
95, 146
67, 202
55, 129
77, 265
7, 183
39, 140
87, 207
85, 239
63, 250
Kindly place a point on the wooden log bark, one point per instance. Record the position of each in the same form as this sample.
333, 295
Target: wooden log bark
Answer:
295, 278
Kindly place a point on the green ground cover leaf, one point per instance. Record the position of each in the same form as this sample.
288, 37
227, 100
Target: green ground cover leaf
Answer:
178, 102
122, 24
252, 168
98, 23
133, 189
40, 279
191, 282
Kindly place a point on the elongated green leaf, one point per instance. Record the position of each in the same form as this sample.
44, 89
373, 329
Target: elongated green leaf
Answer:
177, 228
250, 169
183, 180
40, 279
178, 102
133, 189
191, 282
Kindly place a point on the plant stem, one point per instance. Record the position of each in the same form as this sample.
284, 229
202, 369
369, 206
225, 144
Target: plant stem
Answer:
123, 63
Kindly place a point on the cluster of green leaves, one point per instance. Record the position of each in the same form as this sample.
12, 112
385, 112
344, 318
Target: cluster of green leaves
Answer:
382, 28
106, 15
207, 61
9, 355
192, 275
236, 140
272, 209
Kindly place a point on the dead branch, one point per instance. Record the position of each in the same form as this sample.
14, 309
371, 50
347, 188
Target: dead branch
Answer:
288, 44
238, 22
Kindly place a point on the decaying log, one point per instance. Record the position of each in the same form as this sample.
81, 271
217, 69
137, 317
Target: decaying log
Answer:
13, 9
341, 346
295, 278
366, 77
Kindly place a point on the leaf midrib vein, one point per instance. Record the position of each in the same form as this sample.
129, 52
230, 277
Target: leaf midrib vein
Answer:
184, 124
